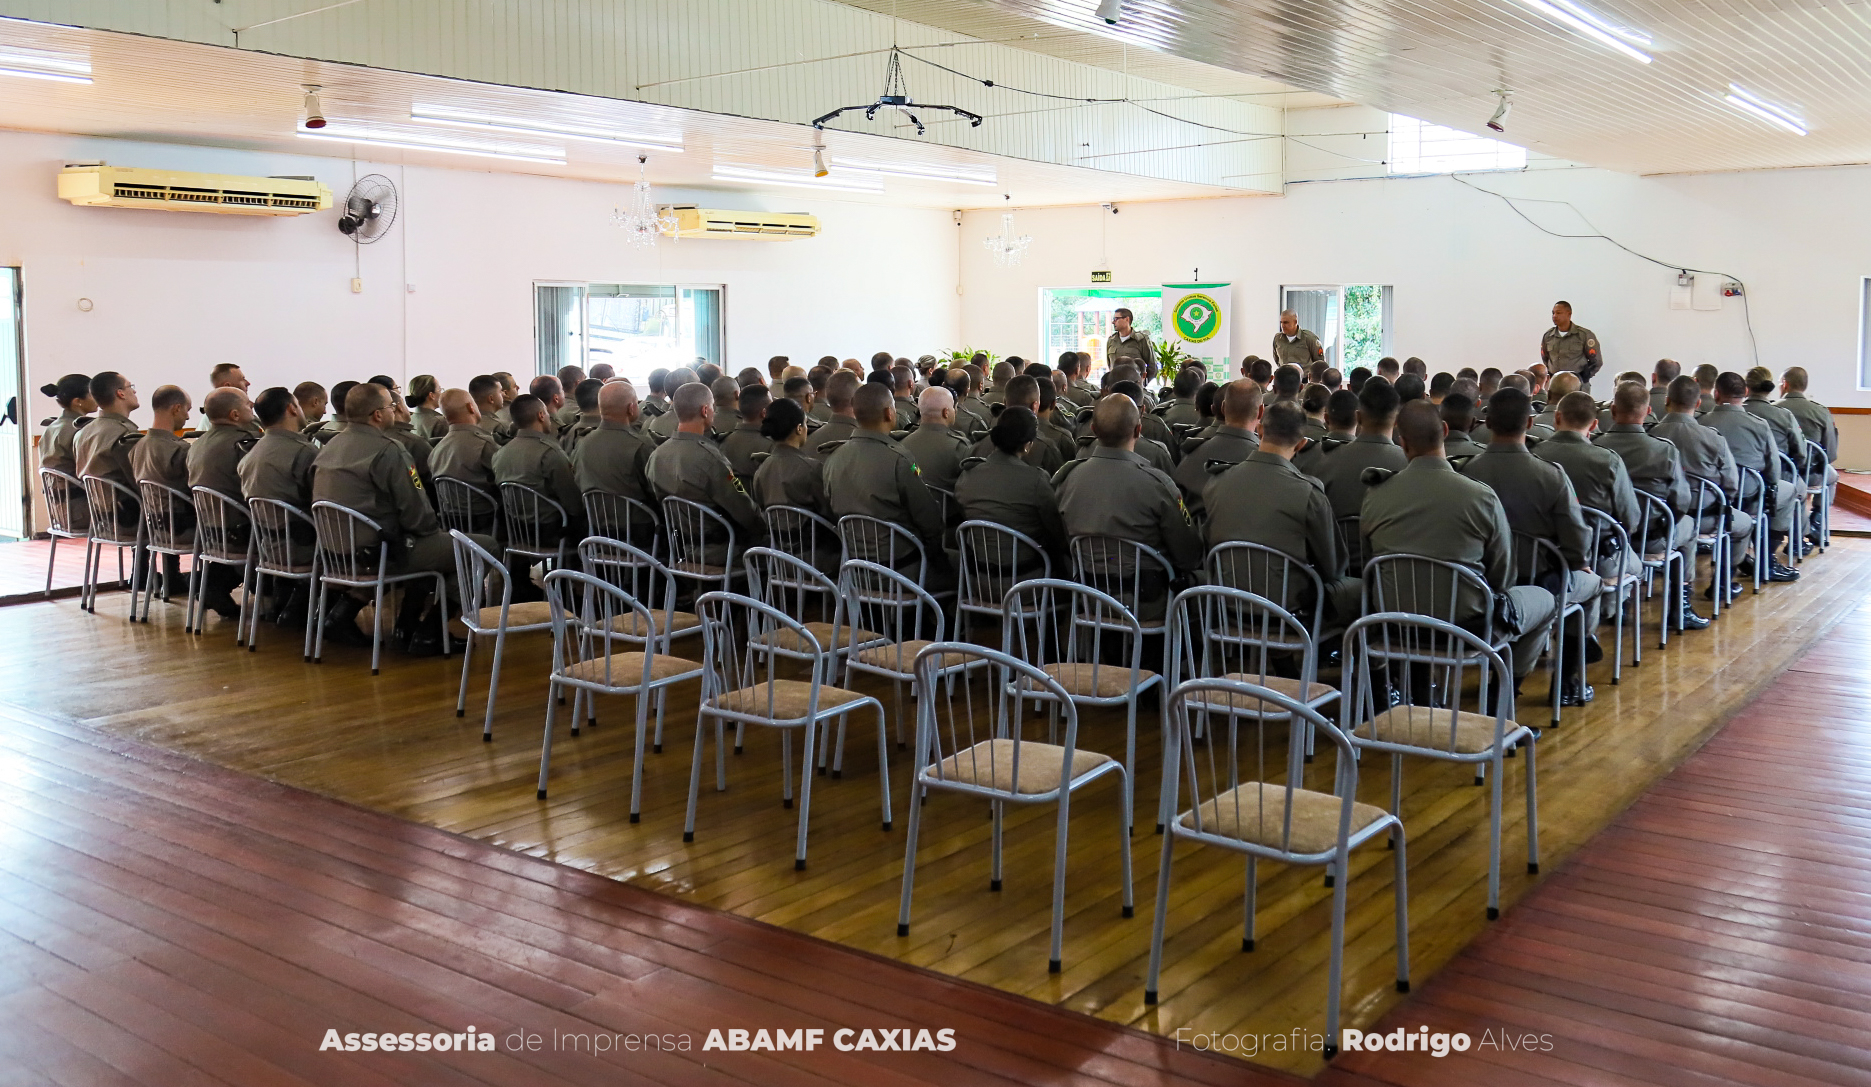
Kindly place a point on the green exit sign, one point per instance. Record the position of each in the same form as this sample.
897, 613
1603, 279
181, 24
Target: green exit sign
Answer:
1101, 277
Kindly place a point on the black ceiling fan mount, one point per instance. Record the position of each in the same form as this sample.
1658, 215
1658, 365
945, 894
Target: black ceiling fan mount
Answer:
897, 96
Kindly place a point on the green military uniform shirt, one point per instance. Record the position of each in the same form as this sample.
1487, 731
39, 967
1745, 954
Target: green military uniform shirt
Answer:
792, 477
103, 448
1342, 470
1654, 466
1460, 443
1575, 349
418, 448
1431, 510
1153, 453
1265, 500
1179, 413
873, 475
1312, 454
279, 466
1788, 435
1043, 454
58, 445
615, 459
662, 427
533, 458
740, 445
1301, 350
214, 459
429, 423
908, 414
839, 429
1598, 476
1537, 496
574, 432
692, 466
1229, 446
1750, 439
465, 452
367, 470
1005, 490
1134, 350
820, 411
161, 456
1115, 492
1705, 453
1815, 422
938, 450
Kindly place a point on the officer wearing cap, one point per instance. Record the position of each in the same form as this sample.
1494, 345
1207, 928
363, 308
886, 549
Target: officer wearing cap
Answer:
1567, 346
1296, 346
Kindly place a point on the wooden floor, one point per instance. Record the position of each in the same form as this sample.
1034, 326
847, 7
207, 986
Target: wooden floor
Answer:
166, 922
1718, 932
394, 745
24, 563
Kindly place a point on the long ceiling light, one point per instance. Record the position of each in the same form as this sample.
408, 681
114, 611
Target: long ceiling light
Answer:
919, 171
1594, 26
340, 132
764, 176
1766, 111
455, 118
44, 66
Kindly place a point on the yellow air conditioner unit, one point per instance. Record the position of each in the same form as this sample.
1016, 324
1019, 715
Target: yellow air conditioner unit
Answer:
100, 185
694, 222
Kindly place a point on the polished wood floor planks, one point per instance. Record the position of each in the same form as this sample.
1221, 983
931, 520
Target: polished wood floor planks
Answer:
392, 744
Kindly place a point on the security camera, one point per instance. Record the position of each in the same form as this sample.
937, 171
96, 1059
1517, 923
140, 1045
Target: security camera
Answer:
1110, 10
314, 113
1498, 122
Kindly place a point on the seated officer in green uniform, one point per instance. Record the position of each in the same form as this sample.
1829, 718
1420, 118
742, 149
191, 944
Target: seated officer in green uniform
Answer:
534, 460
690, 465
364, 469
1655, 467
1006, 489
873, 475
1230, 443
936, 446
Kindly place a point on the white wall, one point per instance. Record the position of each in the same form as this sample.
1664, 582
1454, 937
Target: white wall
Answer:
1474, 283
175, 293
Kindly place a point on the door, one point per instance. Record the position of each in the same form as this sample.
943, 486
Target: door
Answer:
15, 492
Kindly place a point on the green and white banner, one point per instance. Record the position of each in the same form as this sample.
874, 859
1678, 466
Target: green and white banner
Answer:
1196, 314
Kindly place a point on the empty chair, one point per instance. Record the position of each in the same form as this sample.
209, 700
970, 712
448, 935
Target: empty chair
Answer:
462, 507
643, 578
744, 687
974, 740
703, 550
1241, 792
1389, 643
67, 515
1289, 582
168, 530
585, 612
1135, 574
620, 517
354, 553
877, 598
887, 544
796, 588
1621, 585
283, 550
1096, 660
223, 537
994, 558
488, 610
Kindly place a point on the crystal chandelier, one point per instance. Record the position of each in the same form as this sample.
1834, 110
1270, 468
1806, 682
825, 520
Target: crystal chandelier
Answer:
641, 223
1007, 246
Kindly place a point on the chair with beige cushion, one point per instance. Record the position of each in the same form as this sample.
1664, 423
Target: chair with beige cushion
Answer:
994, 558
488, 610
742, 686
795, 587
1096, 659
886, 543
642, 576
283, 550
877, 598
1397, 644
1132, 573
1243, 791
586, 612
972, 739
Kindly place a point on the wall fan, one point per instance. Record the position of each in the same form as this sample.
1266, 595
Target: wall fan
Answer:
369, 209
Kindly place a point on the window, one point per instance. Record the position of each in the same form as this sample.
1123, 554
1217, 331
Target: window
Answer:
1864, 333
1079, 318
1417, 147
1352, 322
634, 327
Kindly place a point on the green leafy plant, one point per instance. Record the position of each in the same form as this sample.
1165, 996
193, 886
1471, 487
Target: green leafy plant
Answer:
963, 355
1169, 356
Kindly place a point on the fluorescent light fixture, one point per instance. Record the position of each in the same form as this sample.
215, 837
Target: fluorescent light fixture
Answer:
764, 176
1766, 111
340, 133
45, 66
920, 171
1592, 25
455, 118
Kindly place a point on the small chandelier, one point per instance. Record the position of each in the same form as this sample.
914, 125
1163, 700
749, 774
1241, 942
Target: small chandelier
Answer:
1007, 246
641, 222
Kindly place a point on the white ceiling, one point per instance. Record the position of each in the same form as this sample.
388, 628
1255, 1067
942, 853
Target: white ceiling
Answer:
155, 89
1574, 98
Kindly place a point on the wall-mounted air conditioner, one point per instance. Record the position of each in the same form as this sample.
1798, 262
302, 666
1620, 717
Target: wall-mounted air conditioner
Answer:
100, 185
694, 222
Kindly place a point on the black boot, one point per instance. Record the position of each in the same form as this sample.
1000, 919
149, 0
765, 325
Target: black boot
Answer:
1686, 617
341, 622
1575, 692
291, 612
425, 640
408, 617
1776, 570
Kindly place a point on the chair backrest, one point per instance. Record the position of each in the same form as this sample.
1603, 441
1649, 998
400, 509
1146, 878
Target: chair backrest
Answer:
1419, 585
1097, 629
945, 501
1753, 490
883, 542
1133, 573
1413, 654
974, 735
800, 533
535, 522
1658, 526
620, 517
64, 502
641, 576
793, 585
1604, 534
274, 522
1239, 785
221, 525
1538, 561
351, 546
462, 506
116, 511
585, 610
1351, 542
886, 602
475, 568
1816, 461
1218, 632
168, 516
1710, 502
692, 527
994, 558
1789, 470
1264, 571
739, 679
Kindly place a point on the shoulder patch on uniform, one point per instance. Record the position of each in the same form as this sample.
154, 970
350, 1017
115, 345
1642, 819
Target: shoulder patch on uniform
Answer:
1375, 477
828, 447
415, 479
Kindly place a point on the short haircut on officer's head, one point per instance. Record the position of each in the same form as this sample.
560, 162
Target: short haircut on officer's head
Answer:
586, 393
339, 394
727, 391
1706, 375
1261, 370
1795, 377
1458, 411
1667, 370
689, 399
657, 377
1631, 398
1341, 409
361, 401
839, 389
526, 410
222, 403
1287, 379
1439, 384
872, 404
796, 388
1516, 381
106, 385
1239, 401
754, 399
1130, 389
1419, 424
1187, 381
1509, 411
1282, 423
1378, 400
1565, 381
1024, 391
309, 390
483, 386
1729, 383
270, 407
168, 396
1115, 420
1410, 387
1685, 392
1576, 410
545, 387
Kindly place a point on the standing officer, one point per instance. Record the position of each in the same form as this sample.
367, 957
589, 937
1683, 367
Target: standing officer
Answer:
1539, 502
1232, 442
873, 475
691, 465
1294, 345
1567, 346
1655, 467
1752, 442
1006, 489
935, 445
1265, 500
1429, 509
1129, 345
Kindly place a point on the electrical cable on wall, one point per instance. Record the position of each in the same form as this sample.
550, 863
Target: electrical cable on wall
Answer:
1747, 315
